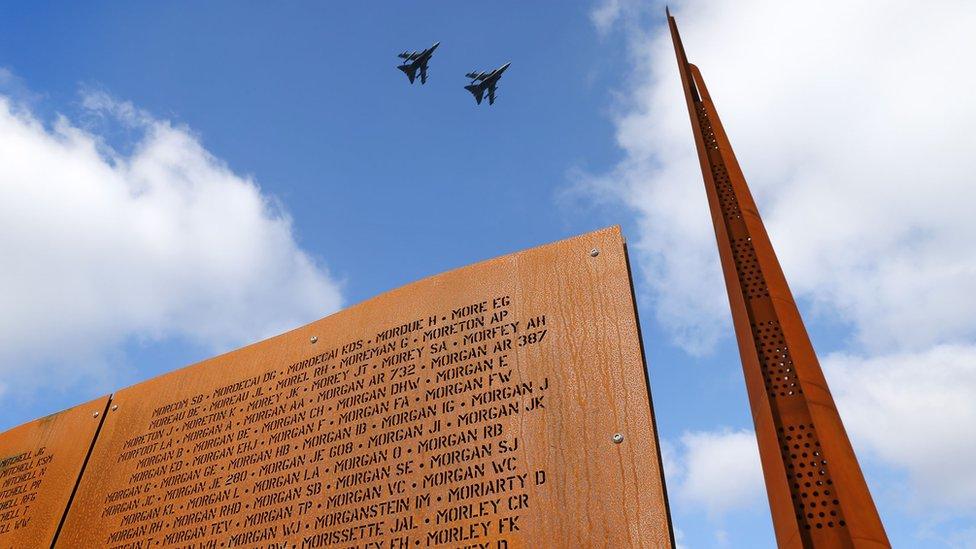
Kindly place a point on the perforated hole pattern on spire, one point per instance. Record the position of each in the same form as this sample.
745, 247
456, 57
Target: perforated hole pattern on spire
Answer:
811, 486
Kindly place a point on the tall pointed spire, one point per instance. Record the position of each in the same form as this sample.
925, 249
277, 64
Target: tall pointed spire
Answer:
817, 493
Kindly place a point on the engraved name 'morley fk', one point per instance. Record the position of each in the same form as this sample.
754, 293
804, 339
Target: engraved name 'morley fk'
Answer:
816, 491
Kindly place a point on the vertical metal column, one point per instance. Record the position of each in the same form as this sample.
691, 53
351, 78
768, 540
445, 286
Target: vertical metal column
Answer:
817, 494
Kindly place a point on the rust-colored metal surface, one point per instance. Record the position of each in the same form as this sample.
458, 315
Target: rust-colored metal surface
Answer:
500, 405
817, 494
40, 464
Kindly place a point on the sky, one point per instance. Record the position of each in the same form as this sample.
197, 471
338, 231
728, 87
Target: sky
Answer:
178, 179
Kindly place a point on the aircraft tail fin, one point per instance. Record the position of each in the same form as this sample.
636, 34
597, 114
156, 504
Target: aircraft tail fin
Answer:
410, 71
477, 91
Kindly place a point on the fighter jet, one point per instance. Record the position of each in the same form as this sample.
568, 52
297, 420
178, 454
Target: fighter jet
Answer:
417, 60
482, 81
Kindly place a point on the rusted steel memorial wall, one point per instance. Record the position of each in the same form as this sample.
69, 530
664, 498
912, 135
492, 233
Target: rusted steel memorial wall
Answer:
500, 405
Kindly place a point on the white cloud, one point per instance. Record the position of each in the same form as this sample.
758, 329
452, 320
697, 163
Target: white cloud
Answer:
162, 241
853, 139
852, 124
605, 15
719, 471
916, 411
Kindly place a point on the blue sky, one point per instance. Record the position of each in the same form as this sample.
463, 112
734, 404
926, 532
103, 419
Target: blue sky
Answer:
182, 179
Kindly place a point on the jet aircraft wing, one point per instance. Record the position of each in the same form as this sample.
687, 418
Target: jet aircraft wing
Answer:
477, 91
411, 71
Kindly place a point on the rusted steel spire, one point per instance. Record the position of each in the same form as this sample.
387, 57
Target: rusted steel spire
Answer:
817, 494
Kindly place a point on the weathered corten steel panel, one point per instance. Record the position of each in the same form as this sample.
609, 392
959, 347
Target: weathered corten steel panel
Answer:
40, 464
817, 494
476, 408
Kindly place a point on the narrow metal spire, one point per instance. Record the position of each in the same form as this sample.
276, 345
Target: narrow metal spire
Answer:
817, 493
